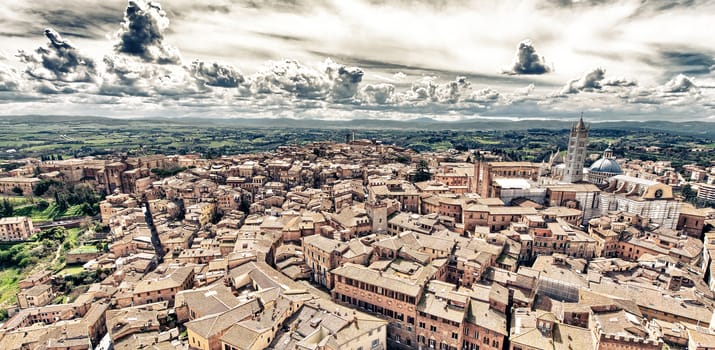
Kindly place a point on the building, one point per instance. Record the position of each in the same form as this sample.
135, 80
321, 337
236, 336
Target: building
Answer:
486, 172
649, 199
152, 290
322, 254
706, 192
392, 295
15, 228
9, 185
576, 154
692, 220
603, 169
37, 296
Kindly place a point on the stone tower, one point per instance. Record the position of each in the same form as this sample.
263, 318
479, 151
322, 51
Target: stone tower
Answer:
578, 139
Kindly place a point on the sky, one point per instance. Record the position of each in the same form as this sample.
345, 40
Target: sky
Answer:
360, 59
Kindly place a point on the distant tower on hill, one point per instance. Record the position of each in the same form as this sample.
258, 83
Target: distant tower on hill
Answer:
578, 139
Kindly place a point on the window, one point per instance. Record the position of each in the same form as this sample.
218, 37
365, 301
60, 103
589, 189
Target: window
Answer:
422, 325
432, 328
375, 343
455, 335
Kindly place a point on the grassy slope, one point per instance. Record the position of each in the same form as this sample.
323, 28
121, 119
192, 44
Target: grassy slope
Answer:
50, 213
11, 276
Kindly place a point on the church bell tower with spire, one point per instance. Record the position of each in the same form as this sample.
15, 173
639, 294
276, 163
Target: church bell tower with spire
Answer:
578, 139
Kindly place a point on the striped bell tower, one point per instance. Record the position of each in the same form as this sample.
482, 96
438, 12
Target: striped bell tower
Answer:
576, 154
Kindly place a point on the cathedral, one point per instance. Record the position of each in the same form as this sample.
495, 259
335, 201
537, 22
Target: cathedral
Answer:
603, 169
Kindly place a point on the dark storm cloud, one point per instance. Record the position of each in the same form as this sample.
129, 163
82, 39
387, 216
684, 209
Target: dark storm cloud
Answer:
142, 33
59, 61
527, 61
215, 74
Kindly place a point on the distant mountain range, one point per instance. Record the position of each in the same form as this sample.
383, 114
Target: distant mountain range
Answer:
704, 129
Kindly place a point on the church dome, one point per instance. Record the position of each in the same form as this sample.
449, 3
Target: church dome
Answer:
605, 165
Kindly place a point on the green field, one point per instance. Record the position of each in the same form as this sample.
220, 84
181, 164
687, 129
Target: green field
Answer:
84, 249
71, 270
16, 201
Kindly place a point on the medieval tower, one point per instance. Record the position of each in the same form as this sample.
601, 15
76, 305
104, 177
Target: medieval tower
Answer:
578, 139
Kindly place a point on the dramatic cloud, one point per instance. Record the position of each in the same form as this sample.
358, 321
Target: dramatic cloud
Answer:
9, 79
125, 76
142, 33
378, 93
482, 96
680, 83
622, 82
215, 74
59, 61
527, 61
141, 74
588, 82
345, 80
334, 81
426, 89
525, 91
290, 77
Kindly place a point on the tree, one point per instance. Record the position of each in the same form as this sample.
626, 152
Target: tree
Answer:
422, 173
6, 208
17, 190
688, 193
44, 185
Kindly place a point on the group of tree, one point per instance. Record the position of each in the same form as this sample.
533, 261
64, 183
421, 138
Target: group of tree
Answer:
162, 173
69, 195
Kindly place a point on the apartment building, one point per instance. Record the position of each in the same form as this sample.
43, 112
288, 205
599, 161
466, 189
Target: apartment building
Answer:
15, 228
